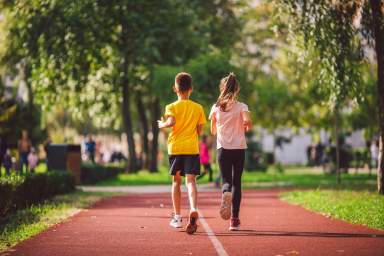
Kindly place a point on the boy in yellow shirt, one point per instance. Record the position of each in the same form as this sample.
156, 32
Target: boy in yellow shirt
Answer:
186, 118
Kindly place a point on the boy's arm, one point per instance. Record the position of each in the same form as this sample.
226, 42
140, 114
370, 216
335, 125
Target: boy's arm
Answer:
247, 121
202, 120
213, 125
200, 129
166, 123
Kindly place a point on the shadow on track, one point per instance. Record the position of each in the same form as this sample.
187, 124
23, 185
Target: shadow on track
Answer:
245, 232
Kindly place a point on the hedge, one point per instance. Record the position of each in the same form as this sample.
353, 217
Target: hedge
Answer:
93, 173
18, 192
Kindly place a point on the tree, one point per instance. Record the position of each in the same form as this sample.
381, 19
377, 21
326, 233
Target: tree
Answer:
336, 32
112, 43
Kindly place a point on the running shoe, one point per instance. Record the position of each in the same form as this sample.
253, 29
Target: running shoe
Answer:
176, 222
235, 224
192, 223
226, 203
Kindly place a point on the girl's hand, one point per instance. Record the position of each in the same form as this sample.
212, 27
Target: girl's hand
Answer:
246, 127
247, 122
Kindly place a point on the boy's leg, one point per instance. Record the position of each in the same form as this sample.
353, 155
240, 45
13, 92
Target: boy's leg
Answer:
176, 193
192, 194
190, 182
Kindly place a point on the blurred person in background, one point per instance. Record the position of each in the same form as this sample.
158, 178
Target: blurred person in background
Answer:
24, 147
33, 160
3, 150
90, 147
205, 158
374, 153
7, 162
46, 145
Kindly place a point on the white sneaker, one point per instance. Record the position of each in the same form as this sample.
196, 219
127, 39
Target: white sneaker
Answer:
176, 222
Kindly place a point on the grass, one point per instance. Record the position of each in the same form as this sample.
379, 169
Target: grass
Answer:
293, 177
31, 221
139, 178
359, 207
305, 179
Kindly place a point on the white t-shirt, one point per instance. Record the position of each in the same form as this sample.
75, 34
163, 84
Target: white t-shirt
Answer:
230, 126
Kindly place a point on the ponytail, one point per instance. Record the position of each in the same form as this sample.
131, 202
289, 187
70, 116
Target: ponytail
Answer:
229, 91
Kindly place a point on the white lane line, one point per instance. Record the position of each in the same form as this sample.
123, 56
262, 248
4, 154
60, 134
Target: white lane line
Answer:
216, 243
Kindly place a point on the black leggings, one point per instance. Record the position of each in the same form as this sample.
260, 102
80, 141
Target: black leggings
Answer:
231, 163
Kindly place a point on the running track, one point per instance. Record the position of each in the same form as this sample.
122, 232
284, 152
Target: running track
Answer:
138, 225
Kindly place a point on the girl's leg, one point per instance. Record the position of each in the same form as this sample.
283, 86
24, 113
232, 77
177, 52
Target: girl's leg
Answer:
238, 166
225, 165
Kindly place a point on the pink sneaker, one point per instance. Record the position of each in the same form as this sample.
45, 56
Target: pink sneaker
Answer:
235, 224
226, 204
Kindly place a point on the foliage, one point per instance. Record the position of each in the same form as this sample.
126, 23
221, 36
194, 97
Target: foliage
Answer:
327, 30
77, 59
353, 206
365, 114
18, 192
293, 177
92, 173
271, 98
206, 70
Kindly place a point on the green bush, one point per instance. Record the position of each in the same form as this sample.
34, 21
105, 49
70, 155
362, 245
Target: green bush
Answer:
18, 192
93, 173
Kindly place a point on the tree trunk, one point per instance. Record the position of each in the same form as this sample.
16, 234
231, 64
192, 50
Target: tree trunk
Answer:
27, 76
144, 130
155, 115
132, 161
337, 141
378, 23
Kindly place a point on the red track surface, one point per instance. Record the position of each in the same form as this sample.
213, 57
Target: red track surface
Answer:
138, 225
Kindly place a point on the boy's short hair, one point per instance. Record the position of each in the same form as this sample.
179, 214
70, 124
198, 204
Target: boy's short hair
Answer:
183, 81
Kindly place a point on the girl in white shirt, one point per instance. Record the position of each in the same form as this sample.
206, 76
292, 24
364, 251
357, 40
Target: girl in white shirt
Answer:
230, 119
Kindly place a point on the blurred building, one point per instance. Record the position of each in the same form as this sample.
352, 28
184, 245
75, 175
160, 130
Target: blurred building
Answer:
293, 146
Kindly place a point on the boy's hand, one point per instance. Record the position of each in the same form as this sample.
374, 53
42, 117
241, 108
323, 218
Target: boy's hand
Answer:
165, 123
160, 123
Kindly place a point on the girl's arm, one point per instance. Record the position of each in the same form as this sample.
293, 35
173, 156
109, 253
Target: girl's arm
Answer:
165, 123
213, 125
247, 121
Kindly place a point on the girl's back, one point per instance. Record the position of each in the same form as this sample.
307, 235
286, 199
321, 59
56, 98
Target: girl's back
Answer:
230, 126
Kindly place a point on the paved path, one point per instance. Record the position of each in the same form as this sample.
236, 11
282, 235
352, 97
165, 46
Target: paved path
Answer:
138, 225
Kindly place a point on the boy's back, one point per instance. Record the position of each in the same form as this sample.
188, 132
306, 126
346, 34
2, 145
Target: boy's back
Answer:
183, 139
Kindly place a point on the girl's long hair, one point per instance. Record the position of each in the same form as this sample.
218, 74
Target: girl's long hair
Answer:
229, 88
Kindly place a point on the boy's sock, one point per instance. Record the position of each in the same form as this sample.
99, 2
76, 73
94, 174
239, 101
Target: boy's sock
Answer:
177, 216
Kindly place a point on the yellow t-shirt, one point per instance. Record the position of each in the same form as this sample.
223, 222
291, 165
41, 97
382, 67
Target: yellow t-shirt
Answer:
183, 139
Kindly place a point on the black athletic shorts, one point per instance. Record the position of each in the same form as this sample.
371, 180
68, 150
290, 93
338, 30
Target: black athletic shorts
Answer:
186, 164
